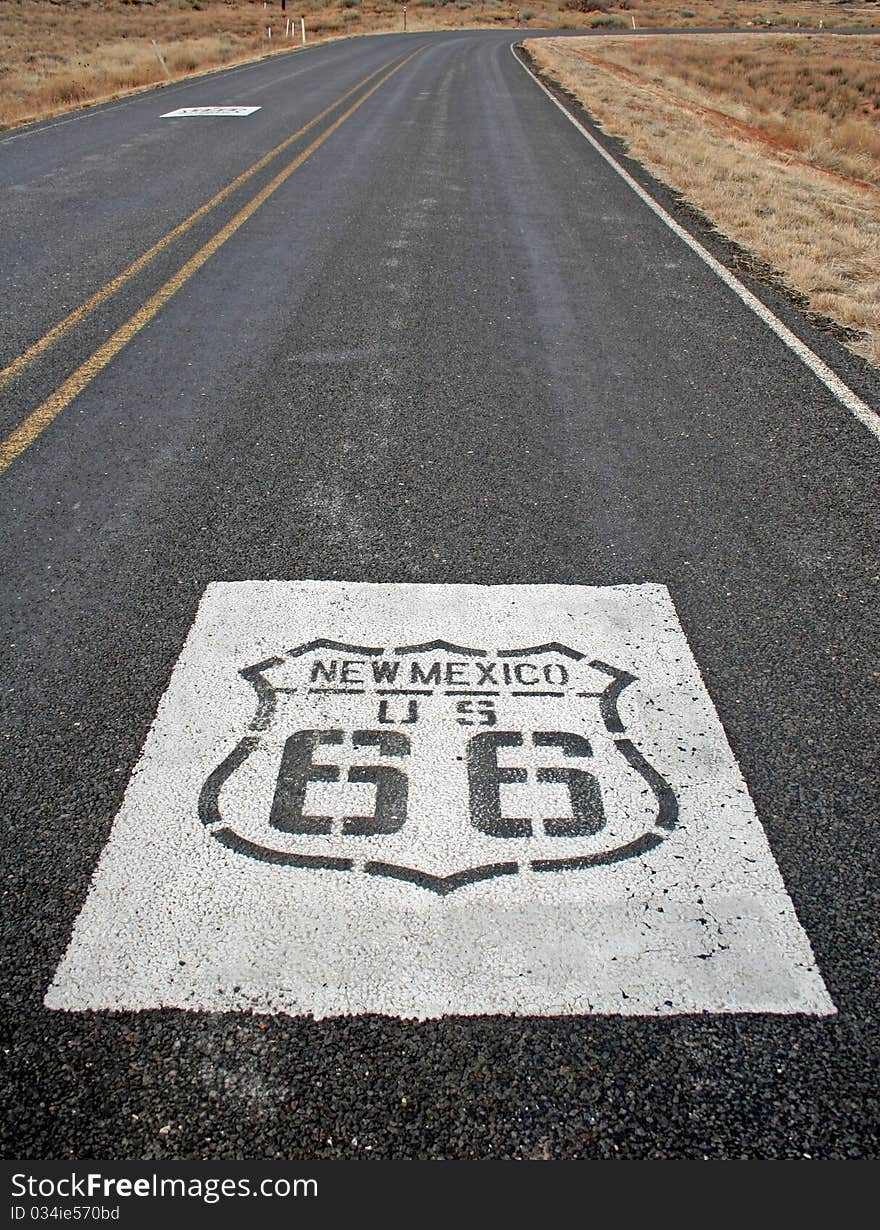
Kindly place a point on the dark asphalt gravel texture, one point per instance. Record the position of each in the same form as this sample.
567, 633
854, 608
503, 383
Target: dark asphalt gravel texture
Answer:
454, 346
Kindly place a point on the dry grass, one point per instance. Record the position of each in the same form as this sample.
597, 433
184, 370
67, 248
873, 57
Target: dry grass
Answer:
736, 14
57, 54
774, 138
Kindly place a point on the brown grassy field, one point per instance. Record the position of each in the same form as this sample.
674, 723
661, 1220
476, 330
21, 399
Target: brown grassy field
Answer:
57, 54
722, 14
775, 138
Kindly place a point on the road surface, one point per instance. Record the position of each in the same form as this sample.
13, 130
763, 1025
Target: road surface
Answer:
427, 337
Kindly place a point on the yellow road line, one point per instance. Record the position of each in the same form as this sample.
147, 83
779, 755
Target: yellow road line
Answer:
38, 420
64, 326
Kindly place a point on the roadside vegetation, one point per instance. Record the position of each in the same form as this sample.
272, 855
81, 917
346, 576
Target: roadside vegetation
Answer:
58, 54
774, 138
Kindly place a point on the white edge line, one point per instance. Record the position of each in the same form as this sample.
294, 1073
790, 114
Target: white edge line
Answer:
844, 394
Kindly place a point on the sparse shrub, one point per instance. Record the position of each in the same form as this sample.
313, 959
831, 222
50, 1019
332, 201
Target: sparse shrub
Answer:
609, 21
349, 4
324, 25
586, 6
68, 90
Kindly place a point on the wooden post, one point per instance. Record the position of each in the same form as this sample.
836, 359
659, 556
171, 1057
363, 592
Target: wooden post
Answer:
161, 59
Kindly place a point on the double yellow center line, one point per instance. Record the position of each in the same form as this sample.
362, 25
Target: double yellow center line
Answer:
38, 420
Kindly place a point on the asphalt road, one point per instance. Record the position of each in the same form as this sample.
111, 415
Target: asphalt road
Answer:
451, 346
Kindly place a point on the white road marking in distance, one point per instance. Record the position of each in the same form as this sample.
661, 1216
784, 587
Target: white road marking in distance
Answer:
844, 394
91, 110
197, 112
521, 800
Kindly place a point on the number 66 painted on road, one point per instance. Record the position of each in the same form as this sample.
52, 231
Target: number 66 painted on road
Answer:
485, 778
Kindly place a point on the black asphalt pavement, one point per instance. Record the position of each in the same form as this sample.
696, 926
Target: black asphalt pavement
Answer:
453, 346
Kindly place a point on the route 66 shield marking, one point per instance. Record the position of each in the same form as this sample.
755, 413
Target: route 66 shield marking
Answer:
394, 707
420, 800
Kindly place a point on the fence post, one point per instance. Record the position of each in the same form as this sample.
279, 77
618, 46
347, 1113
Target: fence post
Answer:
161, 59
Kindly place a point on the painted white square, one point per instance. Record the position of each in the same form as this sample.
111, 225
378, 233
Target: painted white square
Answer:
194, 112
540, 814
